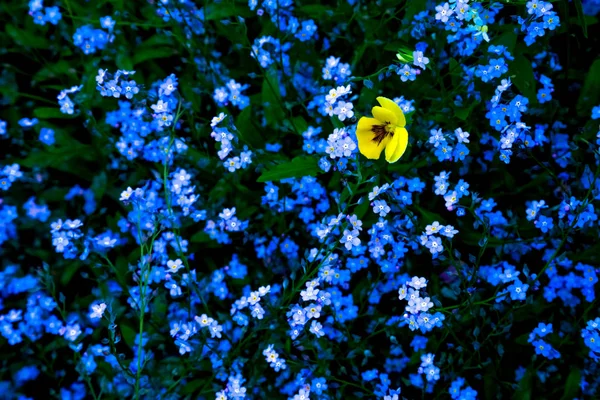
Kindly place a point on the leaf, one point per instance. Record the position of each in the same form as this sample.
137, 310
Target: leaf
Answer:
464, 112
247, 131
489, 383
298, 167
581, 17
315, 11
507, 39
271, 96
123, 61
590, 92
128, 334
50, 112
300, 124
336, 122
192, 386
414, 7
218, 10
150, 54
572, 385
523, 76
359, 53
361, 209
99, 185
523, 391
27, 38
58, 157
68, 273
50, 71
523, 339
429, 216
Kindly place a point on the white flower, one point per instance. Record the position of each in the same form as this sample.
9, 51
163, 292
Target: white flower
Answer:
309, 294
332, 96
215, 121
97, 310
203, 320
264, 290
417, 283
174, 266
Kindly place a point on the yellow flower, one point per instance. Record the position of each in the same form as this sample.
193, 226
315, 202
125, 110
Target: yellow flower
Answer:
385, 131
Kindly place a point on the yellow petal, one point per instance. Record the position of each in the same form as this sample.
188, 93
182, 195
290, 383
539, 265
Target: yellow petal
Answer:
391, 147
401, 135
365, 135
365, 124
384, 115
393, 107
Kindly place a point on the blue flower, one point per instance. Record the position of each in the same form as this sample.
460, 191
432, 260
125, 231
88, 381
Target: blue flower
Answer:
518, 290
406, 73
381, 208
545, 349
47, 136
128, 88
544, 94
544, 223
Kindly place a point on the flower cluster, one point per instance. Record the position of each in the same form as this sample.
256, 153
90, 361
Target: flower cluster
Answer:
591, 337
273, 359
65, 102
113, 86
190, 188
42, 15
541, 17
417, 315
90, 40
231, 93
335, 104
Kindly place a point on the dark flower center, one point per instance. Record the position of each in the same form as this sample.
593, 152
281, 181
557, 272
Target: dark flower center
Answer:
381, 132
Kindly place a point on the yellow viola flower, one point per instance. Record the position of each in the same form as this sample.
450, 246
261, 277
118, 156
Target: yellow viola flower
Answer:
384, 131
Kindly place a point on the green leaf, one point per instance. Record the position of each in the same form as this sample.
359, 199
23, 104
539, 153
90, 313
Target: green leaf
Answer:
248, 133
336, 122
150, 54
581, 17
489, 382
51, 71
50, 112
414, 7
271, 96
300, 124
298, 167
524, 389
507, 39
362, 209
218, 10
59, 157
359, 53
456, 72
99, 185
429, 216
194, 385
315, 11
128, 334
200, 237
27, 38
572, 385
590, 92
123, 61
523, 76
464, 112
523, 340
68, 273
